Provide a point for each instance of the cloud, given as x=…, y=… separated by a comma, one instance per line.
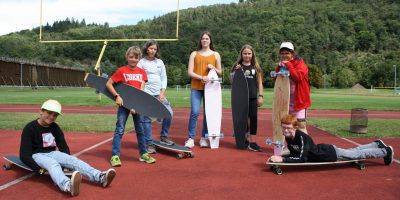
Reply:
x=25, y=14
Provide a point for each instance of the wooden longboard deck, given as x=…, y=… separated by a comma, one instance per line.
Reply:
x=276, y=167
x=280, y=107
x=133, y=98
x=15, y=160
x=182, y=151
x=213, y=108
x=240, y=107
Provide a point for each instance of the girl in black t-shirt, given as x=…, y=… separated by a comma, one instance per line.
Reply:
x=248, y=62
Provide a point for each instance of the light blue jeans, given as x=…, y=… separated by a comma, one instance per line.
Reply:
x=166, y=123
x=55, y=160
x=122, y=116
x=365, y=151
x=196, y=97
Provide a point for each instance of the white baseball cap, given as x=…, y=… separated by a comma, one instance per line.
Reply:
x=52, y=105
x=287, y=45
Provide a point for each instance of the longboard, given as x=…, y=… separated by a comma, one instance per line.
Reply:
x=133, y=98
x=15, y=161
x=280, y=106
x=276, y=167
x=181, y=151
x=213, y=108
x=240, y=107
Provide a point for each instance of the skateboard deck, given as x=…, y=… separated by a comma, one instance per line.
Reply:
x=15, y=161
x=136, y=99
x=213, y=108
x=276, y=167
x=181, y=151
x=280, y=106
x=240, y=107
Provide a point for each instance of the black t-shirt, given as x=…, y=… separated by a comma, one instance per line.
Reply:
x=250, y=73
x=303, y=149
x=39, y=139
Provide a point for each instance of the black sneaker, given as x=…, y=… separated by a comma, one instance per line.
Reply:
x=151, y=149
x=380, y=144
x=166, y=141
x=254, y=147
x=389, y=155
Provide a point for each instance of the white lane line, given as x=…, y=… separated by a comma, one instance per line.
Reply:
x=16, y=181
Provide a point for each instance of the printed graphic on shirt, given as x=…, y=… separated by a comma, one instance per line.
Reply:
x=48, y=140
x=249, y=73
x=295, y=147
x=133, y=77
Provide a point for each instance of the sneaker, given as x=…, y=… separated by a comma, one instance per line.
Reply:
x=389, y=155
x=380, y=144
x=151, y=149
x=203, y=142
x=115, y=161
x=189, y=143
x=147, y=158
x=76, y=179
x=166, y=141
x=254, y=147
x=107, y=177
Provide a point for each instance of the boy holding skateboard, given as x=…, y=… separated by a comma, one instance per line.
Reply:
x=155, y=86
x=300, y=99
x=248, y=62
x=39, y=141
x=136, y=77
x=302, y=148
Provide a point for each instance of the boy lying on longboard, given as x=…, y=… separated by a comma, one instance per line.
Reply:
x=302, y=148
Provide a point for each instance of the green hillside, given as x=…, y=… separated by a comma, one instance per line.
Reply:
x=349, y=41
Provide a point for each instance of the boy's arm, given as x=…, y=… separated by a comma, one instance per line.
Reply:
x=60, y=141
x=110, y=87
x=302, y=156
x=26, y=151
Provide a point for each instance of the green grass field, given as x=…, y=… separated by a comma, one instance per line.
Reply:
x=336, y=99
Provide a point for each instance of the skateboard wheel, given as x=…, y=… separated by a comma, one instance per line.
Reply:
x=191, y=155
x=361, y=166
x=6, y=167
x=179, y=156
x=277, y=170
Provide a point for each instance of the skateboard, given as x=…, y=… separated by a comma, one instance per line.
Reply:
x=213, y=108
x=276, y=167
x=181, y=151
x=280, y=105
x=136, y=99
x=240, y=107
x=15, y=161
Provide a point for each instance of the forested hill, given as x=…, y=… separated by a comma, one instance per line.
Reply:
x=343, y=41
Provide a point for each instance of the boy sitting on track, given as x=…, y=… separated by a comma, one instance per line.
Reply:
x=39, y=141
x=303, y=149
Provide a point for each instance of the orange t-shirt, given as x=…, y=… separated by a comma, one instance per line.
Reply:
x=200, y=68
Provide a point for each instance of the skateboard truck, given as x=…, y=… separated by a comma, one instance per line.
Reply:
x=282, y=72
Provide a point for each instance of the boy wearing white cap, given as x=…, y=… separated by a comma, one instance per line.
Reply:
x=39, y=141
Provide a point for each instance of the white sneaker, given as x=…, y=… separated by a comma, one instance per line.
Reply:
x=76, y=179
x=189, y=143
x=203, y=142
x=107, y=177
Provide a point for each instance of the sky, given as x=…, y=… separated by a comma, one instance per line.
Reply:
x=19, y=15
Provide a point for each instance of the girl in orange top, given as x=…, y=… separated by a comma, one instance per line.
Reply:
x=201, y=61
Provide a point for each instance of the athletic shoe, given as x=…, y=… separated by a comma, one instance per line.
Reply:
x=380, y=144
x=107, y=177
x=151, y=149
x=76, y=180
x=189, y=143
x=147, y=158
x=389, y=155
x=203, y=142
x=254, y=147
x=115, y=161
x=165, y=140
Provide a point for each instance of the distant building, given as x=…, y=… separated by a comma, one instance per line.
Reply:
x=19, y=72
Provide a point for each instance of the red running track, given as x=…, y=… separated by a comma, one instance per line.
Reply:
x=225, y=173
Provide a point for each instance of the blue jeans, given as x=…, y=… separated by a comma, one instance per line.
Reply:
x=53, y=161
x=196, y=96
x=122, y=116
x=365, y=151
x=166, y=123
